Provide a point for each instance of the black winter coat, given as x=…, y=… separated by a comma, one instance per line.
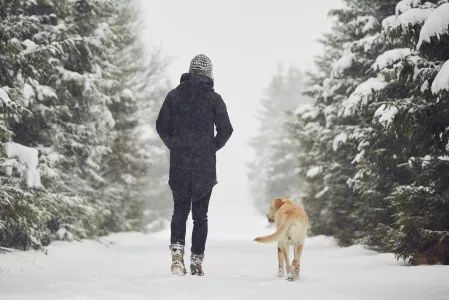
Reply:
x=186, y=126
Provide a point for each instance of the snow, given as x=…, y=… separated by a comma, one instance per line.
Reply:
x=61, y=27
x=303, y=107
x=289, y=156
x=321, y=193
x=314, y=171
x=365, y=24
x=362, y=145
x=30, y=2
x=45, y=92
x=134, y=266
x=102, y=30
x=28, y=92
x=67, y=75
x=429, y=4
x=4, y=97
x=28, y=156
x=359, y=96
x=445, y=158
x=62, y=234
x=388, y=58
x=95, y=176
x=425, y=86
x=306, y=111
x=406, y=5
x=358, y=158
x=311, y=114
x=30, y=47
x=389, y=21
x=426, y=160
x=344, y=63
x=128, y=94
x=109, y=118
x=341, y=138
x=367, y=42
x=386, y=114
x=371, y=23
x=413, y=17
x=436, y=25
x=441, y=81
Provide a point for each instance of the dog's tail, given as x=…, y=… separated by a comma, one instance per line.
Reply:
x=275, y=236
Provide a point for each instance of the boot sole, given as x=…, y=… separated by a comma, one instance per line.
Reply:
x=195, y=272
x=178, y=271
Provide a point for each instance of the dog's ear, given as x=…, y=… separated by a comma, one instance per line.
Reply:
x=278, y=202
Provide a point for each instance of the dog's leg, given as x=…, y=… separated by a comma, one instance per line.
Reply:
x=285, y=252
x=293, y=273
x=281, y=262
x=298, y=252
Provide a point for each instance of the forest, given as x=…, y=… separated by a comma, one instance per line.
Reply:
x=79, y=96
x=368, y=157
x=362, y=142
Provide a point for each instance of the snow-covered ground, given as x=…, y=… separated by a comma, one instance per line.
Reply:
x=132, y=266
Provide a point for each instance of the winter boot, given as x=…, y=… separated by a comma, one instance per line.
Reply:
x=196, y=261
x=177, y=257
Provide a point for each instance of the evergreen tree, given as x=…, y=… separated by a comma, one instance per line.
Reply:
x=70, y=97
x=328, y=131
x=413, y=110
x=380, y=106
x=22, y=218
x=273, y=173
x=70, y=122
x=129, y=183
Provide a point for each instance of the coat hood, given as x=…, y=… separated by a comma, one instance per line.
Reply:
x=195, y=84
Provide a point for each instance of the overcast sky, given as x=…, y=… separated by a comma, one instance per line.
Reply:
x=245, y=41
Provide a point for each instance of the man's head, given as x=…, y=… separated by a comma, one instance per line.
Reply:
x=201, y=65
x=274, y=208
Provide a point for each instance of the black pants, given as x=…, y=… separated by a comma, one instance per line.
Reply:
x=182, y=204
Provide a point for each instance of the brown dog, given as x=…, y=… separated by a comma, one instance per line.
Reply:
x=291, y=230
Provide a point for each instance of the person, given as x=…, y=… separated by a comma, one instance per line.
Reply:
x=186, y=123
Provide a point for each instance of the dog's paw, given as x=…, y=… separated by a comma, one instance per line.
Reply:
x=292, y=277
x=281, y=273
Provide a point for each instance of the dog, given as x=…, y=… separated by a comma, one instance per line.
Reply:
x=291, y=230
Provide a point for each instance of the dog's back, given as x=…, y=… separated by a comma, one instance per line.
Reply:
x=291, y=223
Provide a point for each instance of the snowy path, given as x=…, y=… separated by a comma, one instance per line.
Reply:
x=137, y=267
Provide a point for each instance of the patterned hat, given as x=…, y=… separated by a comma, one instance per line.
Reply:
x=201, y=65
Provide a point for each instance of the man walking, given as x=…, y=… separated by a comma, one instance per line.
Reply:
x=186, y=126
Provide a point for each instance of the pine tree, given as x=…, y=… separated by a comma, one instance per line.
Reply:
x=330, y=132
x=22, y=219
x=394, y=134
x=126, y=168
x=70, y=122
x=67, y=95
x=413, y=110
x=386, y=119
x=273, y=174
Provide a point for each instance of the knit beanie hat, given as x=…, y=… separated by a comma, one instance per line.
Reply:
x=201, y=65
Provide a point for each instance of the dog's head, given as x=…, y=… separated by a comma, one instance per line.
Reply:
x=274, y=208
